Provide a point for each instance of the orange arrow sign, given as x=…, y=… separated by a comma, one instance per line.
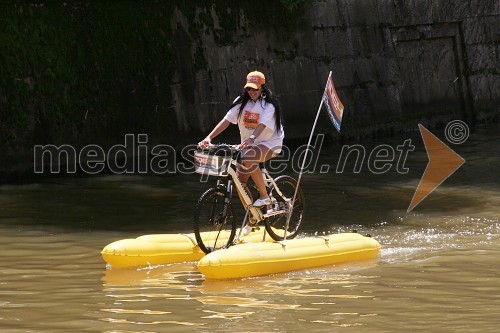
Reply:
x=443, y=162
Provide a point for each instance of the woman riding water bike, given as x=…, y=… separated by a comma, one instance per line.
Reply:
x=258, y=116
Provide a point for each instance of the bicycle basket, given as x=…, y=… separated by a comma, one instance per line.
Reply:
x=210, y=164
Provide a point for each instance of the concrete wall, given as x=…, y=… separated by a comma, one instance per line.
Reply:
x=393, y=62
x=91, y=72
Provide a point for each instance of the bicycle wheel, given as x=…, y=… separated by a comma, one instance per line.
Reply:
x=276, y=225
x=214, y=223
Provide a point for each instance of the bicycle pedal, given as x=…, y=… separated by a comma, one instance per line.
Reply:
x=274, y=212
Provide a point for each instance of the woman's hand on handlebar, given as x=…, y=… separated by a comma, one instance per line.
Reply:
x=247, y=143
x=205, y=143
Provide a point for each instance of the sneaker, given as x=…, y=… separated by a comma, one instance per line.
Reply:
x=246, y=230
x=262, y=202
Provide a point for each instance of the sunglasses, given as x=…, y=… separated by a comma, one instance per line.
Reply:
x=251, y=89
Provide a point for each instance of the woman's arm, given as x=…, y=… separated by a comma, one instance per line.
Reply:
x=218, y=129
x=221, y=127
x=257, y=131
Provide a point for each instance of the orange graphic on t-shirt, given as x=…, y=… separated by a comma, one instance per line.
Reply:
x=250, y=119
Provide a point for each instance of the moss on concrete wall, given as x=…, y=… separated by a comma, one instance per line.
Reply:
x=92, y=71
x=73, y=71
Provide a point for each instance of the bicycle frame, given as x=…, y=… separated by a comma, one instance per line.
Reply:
x=276, y=216
x=255, y=213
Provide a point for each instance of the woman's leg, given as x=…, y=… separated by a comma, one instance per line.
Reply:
x=250, y=160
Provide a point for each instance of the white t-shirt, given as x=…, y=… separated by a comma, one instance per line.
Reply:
x=253, y=114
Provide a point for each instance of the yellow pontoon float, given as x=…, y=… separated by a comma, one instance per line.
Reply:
x=253, y=259
x=159, y=249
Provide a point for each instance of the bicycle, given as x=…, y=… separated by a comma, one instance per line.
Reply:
x=214, y=211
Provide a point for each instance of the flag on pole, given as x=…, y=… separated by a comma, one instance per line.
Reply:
x=335, y=110
x=334, y=106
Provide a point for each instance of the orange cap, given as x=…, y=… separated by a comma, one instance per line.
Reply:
x=255, y=80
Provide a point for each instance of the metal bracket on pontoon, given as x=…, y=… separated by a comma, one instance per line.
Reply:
x=326, y=239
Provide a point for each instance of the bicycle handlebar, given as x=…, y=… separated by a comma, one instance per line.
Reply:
x=221, y=147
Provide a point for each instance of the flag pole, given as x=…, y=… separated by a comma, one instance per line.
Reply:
x=304, y=161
